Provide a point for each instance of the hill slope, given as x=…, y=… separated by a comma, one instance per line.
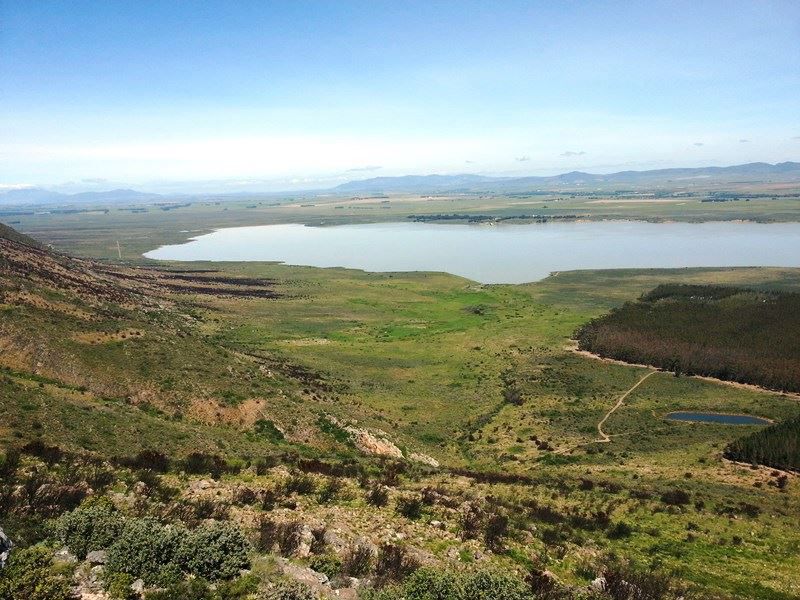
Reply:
x=787, y=171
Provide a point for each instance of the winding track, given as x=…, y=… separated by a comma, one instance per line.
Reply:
x=604, y=437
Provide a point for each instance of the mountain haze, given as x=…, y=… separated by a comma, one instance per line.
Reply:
x=759, y=171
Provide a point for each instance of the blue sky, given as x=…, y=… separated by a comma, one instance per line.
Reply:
x=306, y=94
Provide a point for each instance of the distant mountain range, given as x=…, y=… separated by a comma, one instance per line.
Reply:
x=751, y=172
x=758, y=172
x=42, y=196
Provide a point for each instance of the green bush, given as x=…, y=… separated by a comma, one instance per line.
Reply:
x=92, y=526
x=487, y=585
x=214, y=552
x=118, y=586
x=410, y=507
x=238, y=589
x=148, y=550
x=289, y=590
x=432, y=584
x=390, y=592
x=31, y=575
x=329, y=564
x=358, y=561
x=193, y=589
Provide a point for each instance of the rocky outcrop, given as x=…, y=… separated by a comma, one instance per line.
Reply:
x=5, y=548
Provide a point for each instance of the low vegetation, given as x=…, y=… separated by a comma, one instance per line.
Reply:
x=380, y=435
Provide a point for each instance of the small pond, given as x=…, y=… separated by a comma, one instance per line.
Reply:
x=701, y=417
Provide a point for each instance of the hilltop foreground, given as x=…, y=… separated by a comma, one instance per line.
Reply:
x=257, y=430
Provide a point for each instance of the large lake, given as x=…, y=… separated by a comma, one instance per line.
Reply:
x=501, y=253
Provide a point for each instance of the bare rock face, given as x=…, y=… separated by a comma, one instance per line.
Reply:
x=5, y=548
x=424, y=459
x=375, y=443
x=96, y=557
x=64, y=556
x=88, y=583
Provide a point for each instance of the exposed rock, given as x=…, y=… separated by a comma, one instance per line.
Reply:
x=369, y=443
x=138, y=586
x=97, y=557
x=424, y=459
x=64, y=556
x=88, y=583
x=316, y=581
x=598, y=584
x=5, y=548
x=306, y=539
x=201, y=484
x=335, y=542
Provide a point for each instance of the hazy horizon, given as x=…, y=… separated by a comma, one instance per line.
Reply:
x=306, y=96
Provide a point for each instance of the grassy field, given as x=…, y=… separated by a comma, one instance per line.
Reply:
x=96, y=231
x=480, y=378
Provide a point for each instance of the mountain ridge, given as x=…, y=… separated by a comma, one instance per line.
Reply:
x=466, y=182
x=787, y=171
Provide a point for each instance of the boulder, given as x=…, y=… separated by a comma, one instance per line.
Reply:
x=97, y=557
x=64, y=556
x=5, y=548
x=598, y=584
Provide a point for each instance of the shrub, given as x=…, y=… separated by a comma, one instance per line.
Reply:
x=266, y=534
x=433, y=584
x=145, y=549
x=675, y=498
x=626, y=583
x=30, y=575
x=288, y=590
x=193, y=589
x=471, y=521
x=329, y=564
x=93, y=526
x=488, y=585
x=213, y=552
x=394, y=563
x=244, y=496
x=269, y=497
x=152, y=460
x=377, y=496
x=198, y=463
x=289, y=535
x=301, y=484
x=391, y=473
x=9, y=464
x=331, y=490
x=318, y=541
x=410, y=507
x=118, y=586
x=238, y=589
x=495, y=532
x=620, y=530
x=49, y=454
x=358, y=561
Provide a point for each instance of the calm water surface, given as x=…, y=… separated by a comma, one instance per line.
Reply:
x=501, y=253
x=717, y=418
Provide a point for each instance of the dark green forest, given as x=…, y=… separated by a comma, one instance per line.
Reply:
x=735, y=334
x=776, y=446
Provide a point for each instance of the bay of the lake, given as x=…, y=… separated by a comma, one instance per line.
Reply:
x=501, y=253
